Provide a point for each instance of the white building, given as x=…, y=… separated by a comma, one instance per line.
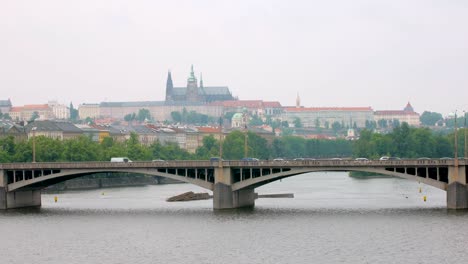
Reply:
x=60, y=111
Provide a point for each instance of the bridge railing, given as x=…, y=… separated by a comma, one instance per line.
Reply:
x=231, y=163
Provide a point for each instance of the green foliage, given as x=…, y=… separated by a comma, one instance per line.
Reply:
x=234, y=146
x=143, y=114
x=130, y=117
x=403, y=141
x=34, y=116
x=428, y=118
x=192, y=117
x=210, y=148
x=297, y=122
x=81, y=149
x=336, y=127
x=255, y=121
x=406, y=142
x=73, y=113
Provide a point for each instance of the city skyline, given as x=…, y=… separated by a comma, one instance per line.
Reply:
x=346, y=54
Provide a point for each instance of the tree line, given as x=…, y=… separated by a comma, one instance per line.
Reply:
x=404, y=141
x=408, y=142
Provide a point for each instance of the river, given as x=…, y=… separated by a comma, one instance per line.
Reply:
x=332, y=219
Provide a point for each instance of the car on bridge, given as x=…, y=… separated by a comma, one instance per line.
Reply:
x=120, y=159
x=249, y=159
x=361, y=159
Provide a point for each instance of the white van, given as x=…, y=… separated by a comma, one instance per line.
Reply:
x=120, y=159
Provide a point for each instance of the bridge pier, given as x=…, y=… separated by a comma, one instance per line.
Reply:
x=17, y=199
x=223, y=195
x=457, y=189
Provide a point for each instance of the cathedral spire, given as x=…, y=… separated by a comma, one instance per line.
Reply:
x=298, y=101
x=169, y=87
x=192, y=77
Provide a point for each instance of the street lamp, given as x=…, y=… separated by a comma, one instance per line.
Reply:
x=220, y=141
x=464, y=131
x=34, y=144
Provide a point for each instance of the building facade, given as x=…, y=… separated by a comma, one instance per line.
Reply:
x=89, y=110
x=60, y=111
x=407, y=115
x=27, y=112
x=323, y=116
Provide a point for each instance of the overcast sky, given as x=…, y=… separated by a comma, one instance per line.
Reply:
x=332, y=53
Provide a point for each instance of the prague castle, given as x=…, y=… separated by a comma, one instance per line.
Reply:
x=195, y=92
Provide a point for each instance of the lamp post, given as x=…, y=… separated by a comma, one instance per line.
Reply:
x=455, y=155
x=246, y=148
x=220, y=141
x=464, y=131
x=34, y=144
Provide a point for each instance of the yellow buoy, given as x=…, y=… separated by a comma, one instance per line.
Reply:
x=55, y=198
x=424, y=197
x=102, y=193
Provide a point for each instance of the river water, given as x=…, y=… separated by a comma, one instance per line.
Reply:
x=332, y=219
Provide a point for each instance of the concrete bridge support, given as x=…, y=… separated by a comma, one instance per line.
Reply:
x=457, y=188
x=17, y=199
x=224, y=197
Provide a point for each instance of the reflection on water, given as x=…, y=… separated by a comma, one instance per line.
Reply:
x=333, y=218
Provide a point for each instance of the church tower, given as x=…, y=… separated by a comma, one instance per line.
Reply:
x=192, y=88
x=169, y=87
x=298, y=101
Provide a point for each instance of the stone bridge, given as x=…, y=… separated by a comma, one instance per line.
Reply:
x=232, y=182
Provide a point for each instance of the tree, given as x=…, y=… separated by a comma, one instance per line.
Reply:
x=428, y=118
x=176, y=116
x=210, y=148
x=73, y=113
x=256, y=121
x=233, y=145
x=297, y=122
x=317, y=123
x=7, y=116
x=130, y=117
x=34, y=116
x=382, y=123
x=336, y=126
x=135, y=150
x=80, y=149
x=402, y=141
x=89, y=120
x=143, y=114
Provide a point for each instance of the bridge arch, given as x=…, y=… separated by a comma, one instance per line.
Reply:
x=64, y=175
x=260, y=181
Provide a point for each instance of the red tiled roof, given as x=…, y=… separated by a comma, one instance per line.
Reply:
x=36, y=106
x=394, y=112
x=16, y=109
x=317, y=109
x=240, y=103
x=29, y=107
x=208, y=129
x=272, y=104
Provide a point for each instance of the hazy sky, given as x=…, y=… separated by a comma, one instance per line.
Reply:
x=333, y=53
